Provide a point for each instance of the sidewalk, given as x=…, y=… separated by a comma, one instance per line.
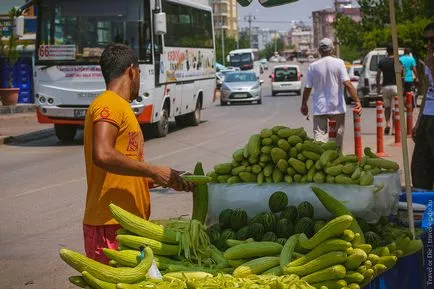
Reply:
x=20, y=122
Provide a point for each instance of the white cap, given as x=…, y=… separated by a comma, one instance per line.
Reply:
x=326, y=44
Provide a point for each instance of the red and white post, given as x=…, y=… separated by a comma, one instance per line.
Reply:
x=397, y=122
x=332, y=130
x=380, y=133
x=357, y=135
x=409, y=100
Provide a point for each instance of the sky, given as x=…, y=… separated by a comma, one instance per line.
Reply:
x=300, y=11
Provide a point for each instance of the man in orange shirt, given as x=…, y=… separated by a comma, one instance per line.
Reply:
x=113, y=150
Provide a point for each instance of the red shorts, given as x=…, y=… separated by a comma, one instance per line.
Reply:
x=98, y=237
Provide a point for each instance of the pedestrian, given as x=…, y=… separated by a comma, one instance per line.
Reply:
x=388, y=88
x=328, y=77
x=422, y=163
x=113, y=151
x=410, y=73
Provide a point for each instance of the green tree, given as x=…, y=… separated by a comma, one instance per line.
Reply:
x=271, y=47
x=230, y=43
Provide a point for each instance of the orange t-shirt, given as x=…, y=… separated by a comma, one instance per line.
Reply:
x=129, y=192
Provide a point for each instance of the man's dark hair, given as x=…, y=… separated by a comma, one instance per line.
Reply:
x=389, y=49
x=429, y=27
x=407, y=51
x=115, y=59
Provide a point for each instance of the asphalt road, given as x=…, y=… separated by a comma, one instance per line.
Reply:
x=43, y=187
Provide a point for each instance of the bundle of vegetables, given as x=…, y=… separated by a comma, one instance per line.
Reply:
x=282, y=154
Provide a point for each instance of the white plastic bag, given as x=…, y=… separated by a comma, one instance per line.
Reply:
x=362, y=201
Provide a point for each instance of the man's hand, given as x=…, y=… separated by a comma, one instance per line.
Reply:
x=170, y=178
x=358, y=107
x=304, y=109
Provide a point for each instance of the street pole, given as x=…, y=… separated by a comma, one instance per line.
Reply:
x=336, y=38
x=249, y=19
x=275, y=43
x=402, y=116
x=223, y=45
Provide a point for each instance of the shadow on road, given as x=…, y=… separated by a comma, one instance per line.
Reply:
x=47, y=138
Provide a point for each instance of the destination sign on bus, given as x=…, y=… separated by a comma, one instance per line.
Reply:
x=57, y=52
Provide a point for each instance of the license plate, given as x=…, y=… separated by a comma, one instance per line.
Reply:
x=79, y=113
x=285, y=85
x=240, y=95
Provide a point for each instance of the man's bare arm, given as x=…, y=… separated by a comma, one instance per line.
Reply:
x=108, y=158
x=306, y=94
x=105, y=156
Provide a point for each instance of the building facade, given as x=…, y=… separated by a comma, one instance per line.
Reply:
x=323, y=19
x=225, y=17
x=300, y=37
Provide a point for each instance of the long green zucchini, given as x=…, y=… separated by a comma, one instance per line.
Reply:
x=107, y=273
x=200, y=196
x=336, y=208
x=143, y=227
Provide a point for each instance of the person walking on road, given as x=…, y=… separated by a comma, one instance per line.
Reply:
x=410, y=73
x=422, y=163
x=388, y=88
x=328, y=78
x=113, y=151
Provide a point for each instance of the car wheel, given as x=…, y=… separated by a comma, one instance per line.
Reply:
x=223, y=103
x=259, y=101
x=299, y=92
x=161, y=128
x=193, y=118
x=65, y=132
x=273, y=93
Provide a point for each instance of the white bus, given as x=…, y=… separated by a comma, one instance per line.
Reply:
x=174, y=41
x=245, y=59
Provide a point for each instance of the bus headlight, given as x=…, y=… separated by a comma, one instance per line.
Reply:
x=50, y=100
x=42, y=99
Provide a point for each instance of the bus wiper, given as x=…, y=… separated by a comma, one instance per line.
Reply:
x=46, y=67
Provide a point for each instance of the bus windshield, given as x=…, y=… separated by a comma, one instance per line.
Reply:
x=69, y=32
x=243, y=61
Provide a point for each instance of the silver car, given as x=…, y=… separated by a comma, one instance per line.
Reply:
x=241, y=86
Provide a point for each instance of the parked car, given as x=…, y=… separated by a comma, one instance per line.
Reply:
x=286, y=78
x=274, y=59
x=264, y=64
x=367, y=87
x=220, y=76
x=241, y=86
x=282, y=59
x=354, y=73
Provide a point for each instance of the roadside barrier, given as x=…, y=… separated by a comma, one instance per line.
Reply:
x=332, y=130
x=357, y=135
x=397, y=122
x=409, y=99
x=380, y=133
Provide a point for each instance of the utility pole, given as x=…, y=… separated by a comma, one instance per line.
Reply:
x=223, y=45
x=250, y=18
x=336, y=38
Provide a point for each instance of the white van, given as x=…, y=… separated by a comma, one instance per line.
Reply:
x=367, y=87
x=286, y=78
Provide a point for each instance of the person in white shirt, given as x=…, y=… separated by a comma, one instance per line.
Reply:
x=422, y=163
x=328, y=77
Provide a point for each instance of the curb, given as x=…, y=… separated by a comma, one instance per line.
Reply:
x=4, y=140
x=20, y=108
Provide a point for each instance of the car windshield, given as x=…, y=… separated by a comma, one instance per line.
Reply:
x=238, y=60
x=285, y=74
x=375, y=59
x=357, y=70
x=240, y=77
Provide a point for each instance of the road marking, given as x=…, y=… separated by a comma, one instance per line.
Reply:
x=42, y=188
